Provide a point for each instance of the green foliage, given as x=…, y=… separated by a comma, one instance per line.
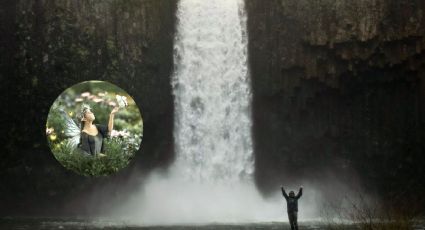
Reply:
x=119, y=148
x=119, y=151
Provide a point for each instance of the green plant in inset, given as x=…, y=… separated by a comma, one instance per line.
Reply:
x=119, y=151
x=119, y=147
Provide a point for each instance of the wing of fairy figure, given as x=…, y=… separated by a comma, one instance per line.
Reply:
x=72, y=131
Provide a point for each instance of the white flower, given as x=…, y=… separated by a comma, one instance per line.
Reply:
x=49, y=130
x=100, y=94
x=85, y=94
x=124, y=133
x=115, y=133
x=97, y=100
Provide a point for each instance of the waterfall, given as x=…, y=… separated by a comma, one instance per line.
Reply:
x=211, y=179
x=212, y=92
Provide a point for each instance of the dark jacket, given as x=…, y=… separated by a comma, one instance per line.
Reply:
x=292, y=202
x=89, y=143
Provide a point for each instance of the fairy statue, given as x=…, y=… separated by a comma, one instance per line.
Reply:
x=88, y=136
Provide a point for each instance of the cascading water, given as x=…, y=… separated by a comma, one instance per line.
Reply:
x=211, y=179
x=212, y=92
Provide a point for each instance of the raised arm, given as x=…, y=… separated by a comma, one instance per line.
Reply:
x=111, y=119
x=284, y=193
x=300, y=193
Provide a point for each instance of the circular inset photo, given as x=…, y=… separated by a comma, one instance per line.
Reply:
x=94, y=128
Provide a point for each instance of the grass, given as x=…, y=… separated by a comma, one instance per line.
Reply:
x=367, y=214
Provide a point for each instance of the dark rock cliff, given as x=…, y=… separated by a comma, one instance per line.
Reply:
x=47, y=46
x=339, y=93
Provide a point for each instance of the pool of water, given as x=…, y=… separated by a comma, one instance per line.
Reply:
x=106, y=224
x=67, y=223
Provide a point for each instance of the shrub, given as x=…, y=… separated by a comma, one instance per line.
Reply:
x=366, y=214
x=118, y=150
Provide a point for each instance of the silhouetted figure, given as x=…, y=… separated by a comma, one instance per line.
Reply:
x=292, y=206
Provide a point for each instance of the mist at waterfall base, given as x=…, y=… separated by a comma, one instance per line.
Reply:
x=168, y=200
x=211, y=179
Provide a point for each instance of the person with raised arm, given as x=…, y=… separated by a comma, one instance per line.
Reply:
x=292, y=206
